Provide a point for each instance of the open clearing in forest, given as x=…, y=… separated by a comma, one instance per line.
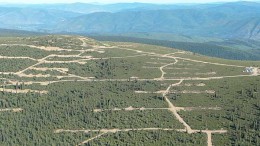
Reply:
x=168, y=68
x=11, y=109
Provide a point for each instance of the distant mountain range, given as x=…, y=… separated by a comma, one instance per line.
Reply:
x=239, y=20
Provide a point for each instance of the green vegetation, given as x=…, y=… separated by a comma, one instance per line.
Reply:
x=110, y=52
x=65, y=42
x=239, y=102
x=153, y=138
x=47, y=72
x=201, y=48
x=20, y=79
x=21, y=51
x=195, y=69
x=224, y=61
x=55, y=58
x=125, y=88
x=14, y=65
x=122, y=68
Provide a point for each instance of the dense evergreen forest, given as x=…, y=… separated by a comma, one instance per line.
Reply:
x=71, y=90
x=207, y=49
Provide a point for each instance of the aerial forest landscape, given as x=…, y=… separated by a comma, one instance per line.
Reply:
x=130, y=73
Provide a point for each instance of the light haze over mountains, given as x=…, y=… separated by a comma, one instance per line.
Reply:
x=228, y=20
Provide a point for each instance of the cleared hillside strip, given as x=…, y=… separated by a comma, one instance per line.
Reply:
x=11, y=110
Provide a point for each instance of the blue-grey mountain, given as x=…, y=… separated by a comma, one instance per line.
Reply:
x=229, y=20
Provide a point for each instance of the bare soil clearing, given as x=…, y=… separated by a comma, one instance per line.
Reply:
x=23, y=91
x=11, y=110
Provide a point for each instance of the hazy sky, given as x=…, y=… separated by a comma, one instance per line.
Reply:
x=116, y=1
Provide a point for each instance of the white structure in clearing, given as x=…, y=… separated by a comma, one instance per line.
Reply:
x=249, y=70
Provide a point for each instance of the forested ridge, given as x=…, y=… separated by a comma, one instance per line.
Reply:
x=72, y=90
x=207, y=49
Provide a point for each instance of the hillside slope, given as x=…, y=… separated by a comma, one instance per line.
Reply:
x=73, y=90
x=229, y=49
